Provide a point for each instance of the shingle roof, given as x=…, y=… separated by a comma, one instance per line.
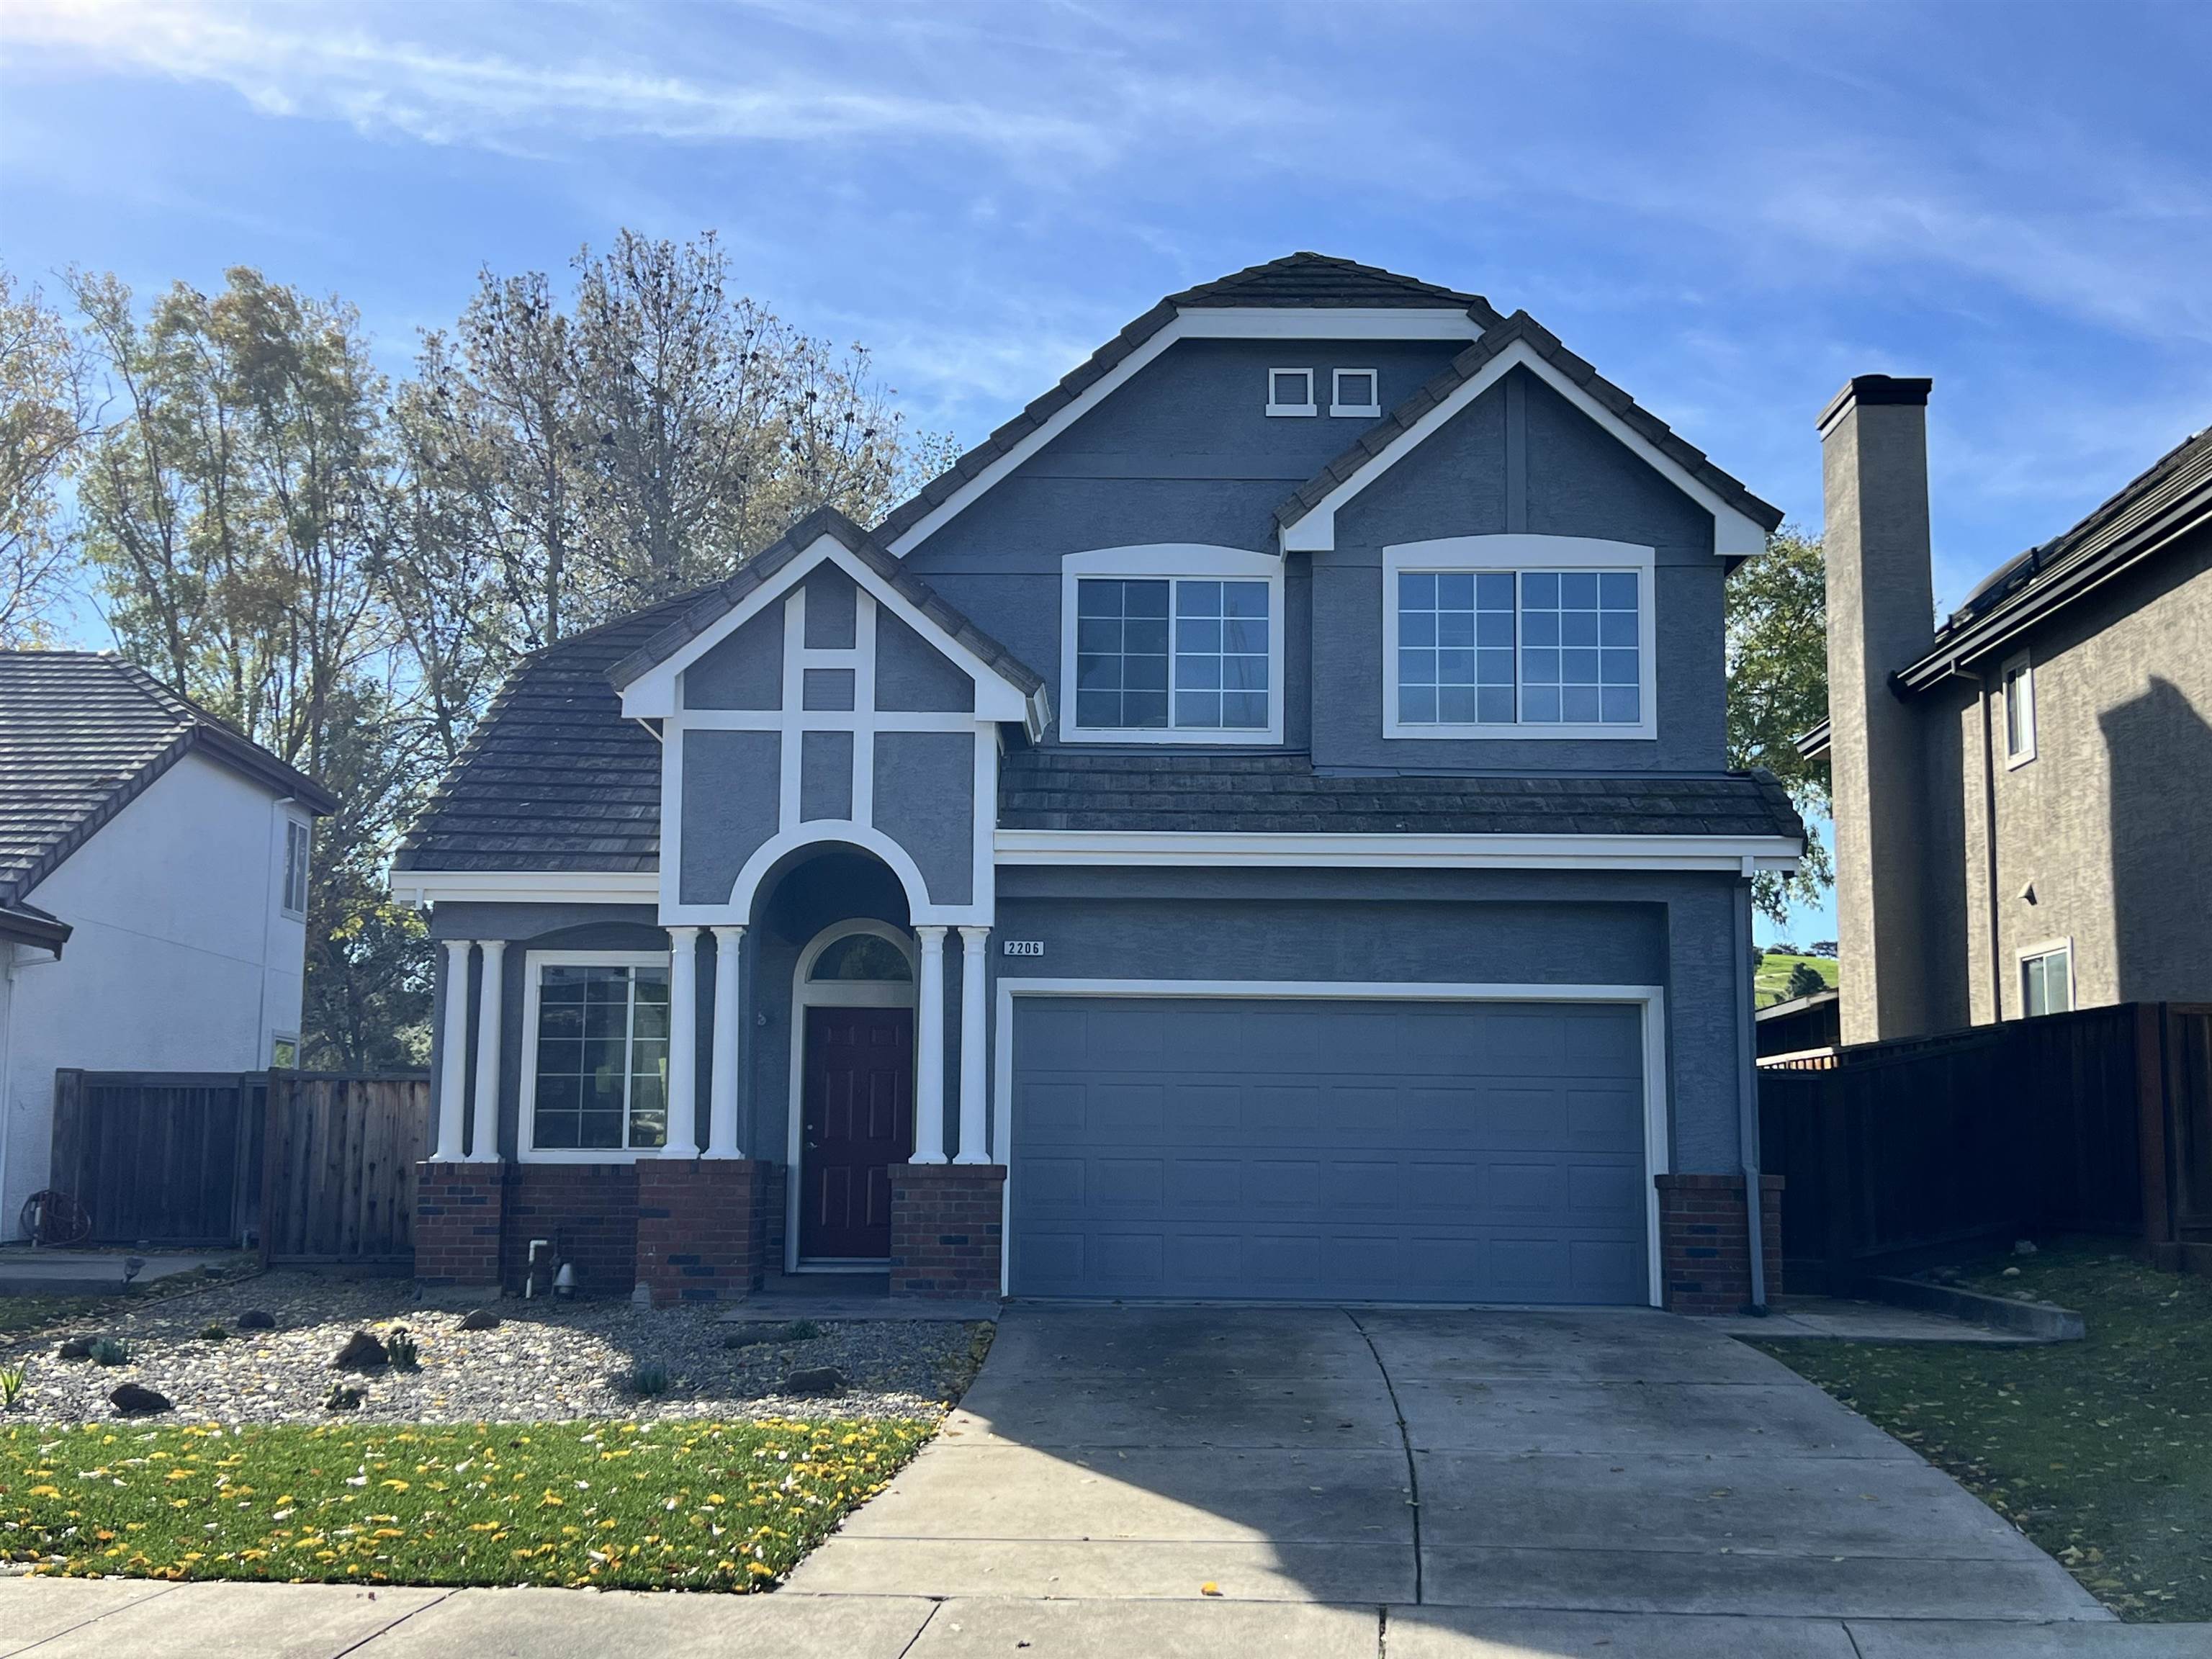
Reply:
x=1282, y=794
x=700, y=611
x=82, y=734
x=1524, y=328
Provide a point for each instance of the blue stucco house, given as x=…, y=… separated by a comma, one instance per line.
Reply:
x=1258, y=827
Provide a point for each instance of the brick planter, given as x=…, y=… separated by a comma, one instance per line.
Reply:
x=946, y=1224
x=700, y=1227
x=458, y=1211
x=1705, y=1247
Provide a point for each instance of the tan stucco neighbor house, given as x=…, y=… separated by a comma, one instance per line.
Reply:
x=2021, y=792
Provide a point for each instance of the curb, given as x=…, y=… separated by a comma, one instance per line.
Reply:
x=2046, y=1320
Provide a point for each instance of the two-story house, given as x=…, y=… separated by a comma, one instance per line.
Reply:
x=1256, y=827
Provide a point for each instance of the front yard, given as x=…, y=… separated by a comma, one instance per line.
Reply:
x=2099, y=1450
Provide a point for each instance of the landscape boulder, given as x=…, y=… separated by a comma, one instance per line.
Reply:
x=814, y=1380
x=481, y=1319
x=133, y=1400
x=257, y=1319
x=363, y=1353
x=77, y=1347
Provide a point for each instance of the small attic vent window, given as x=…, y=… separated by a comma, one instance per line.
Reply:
x=1290, y=391
x=1356, y=392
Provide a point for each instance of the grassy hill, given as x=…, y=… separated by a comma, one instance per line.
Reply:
x=1774, y=975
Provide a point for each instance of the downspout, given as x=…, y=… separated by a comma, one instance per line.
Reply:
x=1747, y=1095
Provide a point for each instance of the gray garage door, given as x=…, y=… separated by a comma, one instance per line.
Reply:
x=1295, y=1150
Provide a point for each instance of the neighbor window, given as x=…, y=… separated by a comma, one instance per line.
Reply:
x=601, y=1067
x=1519, y=648
x=1355, y=391
x=2046, y=981
x=2019, y=683
x=1290, y=391
x=283, y=1051
x=296, y=867
x=1180, y=654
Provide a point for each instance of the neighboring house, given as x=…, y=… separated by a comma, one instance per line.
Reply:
x=2020, y=793
x=1257, y=827
x=1800, y=1025
x=152, y=891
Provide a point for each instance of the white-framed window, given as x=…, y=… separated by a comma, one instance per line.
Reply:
x=1356, y=392
x=296, y=845
x=594, y=1055
x=1518, y=636
x=1175, y=643
x=2017, y=678
x=2046, y=978
x=1290, y=391
x=284, y=1051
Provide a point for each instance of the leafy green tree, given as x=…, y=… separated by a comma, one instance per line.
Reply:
x=1805, y=981
x=1777, y=668
x=45, y=416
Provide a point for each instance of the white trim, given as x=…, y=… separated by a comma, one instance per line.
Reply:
x=453, y=1055
x=1183, y=848
x=790, y=726
x=2027, y=953
x=525, y=1121
x=423, y=887
x=1169, y=561
x=1511, y=554
x=1368, y=410
x=1733, y=534
x=1651, y=998
x=292, y=822
x=1303, y=406
x=1200, y=323
x=491, y=1004
x=864, y=697
x=727, y=1045
x=2020, y=660
x=829, y=994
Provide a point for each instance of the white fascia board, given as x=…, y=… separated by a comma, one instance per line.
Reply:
x=1734, y=535
x=651, y=695
x=1200, y=323
x=1738, y=854
x=423, y=887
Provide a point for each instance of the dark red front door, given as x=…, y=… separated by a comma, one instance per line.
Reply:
x=857, y=1118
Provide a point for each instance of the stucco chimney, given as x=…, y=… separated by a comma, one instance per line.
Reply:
x=1881, y=606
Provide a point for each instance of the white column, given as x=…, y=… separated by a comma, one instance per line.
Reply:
x=453, y=1069
x=683, y=1043
x=483, y=1138
x=929, y=1050
x=722, y=1086
x=973, y=972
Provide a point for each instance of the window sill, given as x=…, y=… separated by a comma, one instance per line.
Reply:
x=1243, y=737
x=1646, y=733
x=587, y=1155
x=1281, y=410
x=1359, y=411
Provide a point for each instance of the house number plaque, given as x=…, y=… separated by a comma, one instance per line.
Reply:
x=1024, y=947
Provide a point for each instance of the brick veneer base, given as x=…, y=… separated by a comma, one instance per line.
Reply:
x=946, y=1222
x=700, y=1227
x=590, y=1212
x=1705, y=1245
x=458, y=1209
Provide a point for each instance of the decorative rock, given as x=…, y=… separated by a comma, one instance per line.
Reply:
x=344, y=1397
x=133, y=1400
x=363, y=1353
x=2023, y=1246
x=483, y=1319
x=814, y=1380
x=256, y=1319
x=77, y=1347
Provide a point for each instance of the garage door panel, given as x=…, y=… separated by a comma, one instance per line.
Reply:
x=1446, y=1151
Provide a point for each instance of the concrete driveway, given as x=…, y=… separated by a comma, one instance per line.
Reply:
x=1622, y=1461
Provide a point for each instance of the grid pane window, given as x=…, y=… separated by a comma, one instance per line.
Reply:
x=1205, y=669
x=1545, y=648
x=602, y=1058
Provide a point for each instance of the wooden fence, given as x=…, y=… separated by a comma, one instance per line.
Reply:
x=316, y=1167
x=1896, y=1153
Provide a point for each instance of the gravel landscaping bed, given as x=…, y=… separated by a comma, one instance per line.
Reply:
x=545, y=1362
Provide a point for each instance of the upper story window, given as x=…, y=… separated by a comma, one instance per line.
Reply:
x=1518, y=636
x=1356, y=392
x=1172, y=644
x=2046, y=979
x=1290, y=391
x=596, y=1033
x=2020, y=711
x=296, y=867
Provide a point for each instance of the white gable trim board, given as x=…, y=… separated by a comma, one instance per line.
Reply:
x=1649, y=999
x=1735, y=535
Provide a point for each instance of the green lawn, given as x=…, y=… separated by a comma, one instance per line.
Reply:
x=1774, y=975
x=690, y=1505
x=2099, y=1450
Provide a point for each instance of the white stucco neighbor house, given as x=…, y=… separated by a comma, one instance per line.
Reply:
x=152, y=891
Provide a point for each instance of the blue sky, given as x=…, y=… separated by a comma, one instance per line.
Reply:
x=1728, y=209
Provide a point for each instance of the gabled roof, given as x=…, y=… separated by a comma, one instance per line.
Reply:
x=700, y=611
x=1398, y=427
x=83, y=734
x=2168, y=500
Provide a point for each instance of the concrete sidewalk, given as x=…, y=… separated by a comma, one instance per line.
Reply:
x=134, y=1618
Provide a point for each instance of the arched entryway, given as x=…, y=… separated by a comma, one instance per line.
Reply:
x=852, y=1092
